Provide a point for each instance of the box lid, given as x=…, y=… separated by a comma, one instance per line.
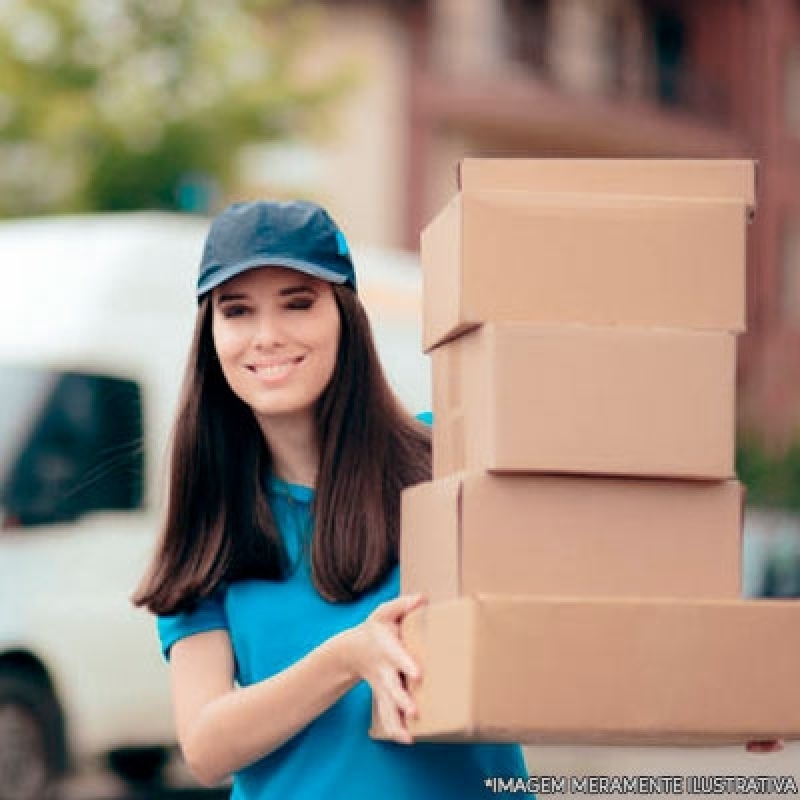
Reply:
x=733, y=179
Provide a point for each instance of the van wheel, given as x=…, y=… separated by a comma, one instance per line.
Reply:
x=140, y=766
x=31, y=737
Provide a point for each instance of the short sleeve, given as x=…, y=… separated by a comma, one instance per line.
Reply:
x=426, y=417
x=208, y=615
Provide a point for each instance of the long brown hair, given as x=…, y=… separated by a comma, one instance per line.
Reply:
x=218, y=526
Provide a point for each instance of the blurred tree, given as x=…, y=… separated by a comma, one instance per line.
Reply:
x=772, y=478
x=126, y=104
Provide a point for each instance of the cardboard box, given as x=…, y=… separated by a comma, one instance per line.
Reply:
x=578, y=399
x=569, y=670
x=601, y=260
x=554, y=535
x=666, y=177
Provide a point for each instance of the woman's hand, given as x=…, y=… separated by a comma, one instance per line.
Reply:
x=768, y=746
x=374, y=652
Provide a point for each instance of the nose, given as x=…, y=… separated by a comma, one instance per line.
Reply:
x=268, y=333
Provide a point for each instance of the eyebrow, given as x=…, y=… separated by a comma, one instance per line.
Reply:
x=227, y=298
x=288, y=291
x=303, y=289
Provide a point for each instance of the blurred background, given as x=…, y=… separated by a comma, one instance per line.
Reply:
x=125, y=123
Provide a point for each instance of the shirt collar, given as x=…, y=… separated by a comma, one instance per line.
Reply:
x=295, y=491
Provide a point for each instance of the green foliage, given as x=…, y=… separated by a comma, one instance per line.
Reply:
x=772, y=478
x=118, y=104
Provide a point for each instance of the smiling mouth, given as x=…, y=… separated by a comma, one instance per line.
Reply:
x=276, y=369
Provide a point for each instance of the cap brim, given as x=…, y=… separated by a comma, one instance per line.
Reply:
x=219, y=277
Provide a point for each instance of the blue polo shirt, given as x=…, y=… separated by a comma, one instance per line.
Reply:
x=273, y=624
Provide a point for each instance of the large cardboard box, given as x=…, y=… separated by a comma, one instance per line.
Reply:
x=665, y=177
x=602, y=260
x=572, y=670
x=580, y=399
x=545, y=535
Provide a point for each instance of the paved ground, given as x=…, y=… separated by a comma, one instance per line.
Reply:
x=544, y=762
x=645, y=761
x=99, y=785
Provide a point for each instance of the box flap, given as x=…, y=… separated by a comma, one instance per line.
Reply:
x=541, y=535
x=441, y=638
x=596, y=400
x=567, y=669
x=440, y=257
x=710, y=178
x=613, y=401
x=430, y=546
x=599, y=260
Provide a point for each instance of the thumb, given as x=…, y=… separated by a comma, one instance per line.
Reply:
x=395, y=610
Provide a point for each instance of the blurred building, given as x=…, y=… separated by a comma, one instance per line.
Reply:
x=587, y=78
x=612, y=78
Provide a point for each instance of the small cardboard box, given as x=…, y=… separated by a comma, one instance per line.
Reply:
x=579, y=399
x=572, y=670
x=538, y=535
x=600, y=260
x=665, y=177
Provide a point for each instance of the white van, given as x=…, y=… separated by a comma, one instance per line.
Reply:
x=94, y=332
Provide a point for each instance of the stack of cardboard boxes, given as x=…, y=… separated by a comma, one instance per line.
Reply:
x=580, y=543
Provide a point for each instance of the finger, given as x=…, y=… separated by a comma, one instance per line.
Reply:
x=391, y=719
x=395, y=610
x=414, y=601
x=397, y=692
x=405, y=737
x=385, y=715
x=399, y=657
x=764, y=746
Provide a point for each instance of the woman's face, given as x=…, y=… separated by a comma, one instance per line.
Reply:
x=276, y=332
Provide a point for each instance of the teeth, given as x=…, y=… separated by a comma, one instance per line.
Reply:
x=271, y=371
x=274, y=370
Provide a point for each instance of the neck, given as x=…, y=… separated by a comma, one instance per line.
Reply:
x=292, y=442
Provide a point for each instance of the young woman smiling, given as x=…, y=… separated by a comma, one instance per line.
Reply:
x=275, y=581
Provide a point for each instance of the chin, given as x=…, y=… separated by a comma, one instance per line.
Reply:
x=282, y=409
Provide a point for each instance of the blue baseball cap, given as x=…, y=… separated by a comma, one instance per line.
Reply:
x=298, y=235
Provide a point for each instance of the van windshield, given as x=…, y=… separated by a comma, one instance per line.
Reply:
x=70, y=443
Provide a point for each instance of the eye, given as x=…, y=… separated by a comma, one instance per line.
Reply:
x=300, y=304
x=234, y=310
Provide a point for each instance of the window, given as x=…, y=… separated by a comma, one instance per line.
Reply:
x=527, y=31
x=771, y=554
x=625, y=48
x=70, y=443
x=790, y=277
x=670, y=51
x=791, y=90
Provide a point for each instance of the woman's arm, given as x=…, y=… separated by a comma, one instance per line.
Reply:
x=222, y=729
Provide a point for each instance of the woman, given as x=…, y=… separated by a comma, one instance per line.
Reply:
x=277, y=566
